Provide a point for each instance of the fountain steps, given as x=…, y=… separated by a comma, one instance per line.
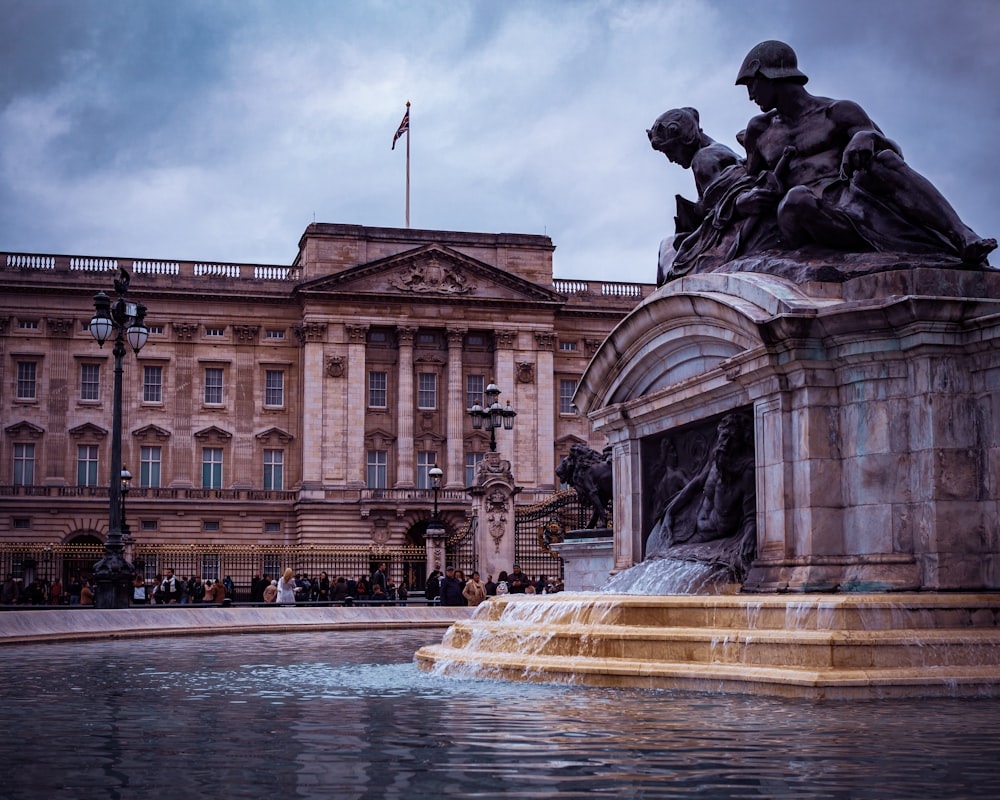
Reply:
x=815, y=646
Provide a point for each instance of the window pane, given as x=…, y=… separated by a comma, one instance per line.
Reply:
x=426, y=390
x=475, y=385
x=211, y=467
x=213, y=385
x=90, y=381
x=24, y=464
x=377, y=389
x=86, y=465
x=26, y=380
x=274, y=387
x=152, y=384
x=425, y=460
x=149, y=467
x=274, y=469
x=566, y=391
x=377, y=477
x=471, y=461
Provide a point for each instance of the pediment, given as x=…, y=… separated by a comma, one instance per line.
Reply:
x=213, y=433
x=431, y=271
x=88, y=430
x=151, y=432
x=24, y=430
x=275, y=434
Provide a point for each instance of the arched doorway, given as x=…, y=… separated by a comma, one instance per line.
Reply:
x=84, y=549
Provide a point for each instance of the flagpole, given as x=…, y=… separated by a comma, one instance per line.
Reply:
x=408, y=166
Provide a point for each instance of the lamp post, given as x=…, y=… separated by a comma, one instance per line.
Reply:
x=435, y=534
x=492, y=415
x=125, y=484
x=113, y=574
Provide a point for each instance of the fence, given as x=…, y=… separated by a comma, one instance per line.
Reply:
x=240, y=563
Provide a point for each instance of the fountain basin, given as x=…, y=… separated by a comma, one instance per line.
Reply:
x=816, y=646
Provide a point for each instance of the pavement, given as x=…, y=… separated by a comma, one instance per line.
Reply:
x=60, y=624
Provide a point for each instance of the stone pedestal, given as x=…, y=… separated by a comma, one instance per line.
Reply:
x=493, y=507
x=876, y=418
x=588, y=559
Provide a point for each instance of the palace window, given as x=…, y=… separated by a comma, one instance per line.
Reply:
x=471, y=462
x=475, y=385
x=90, y=381
x=377, y=477
x=567, y=388
x=26, y=383
x=152, y=384
x=426, y=390
x=149, y=466
x=274, y=388
x=24, y=464
x=211, y=467
x=86, y=465
x=425, y=460
x=274, y=468
x=377, y=389
x=213, y=386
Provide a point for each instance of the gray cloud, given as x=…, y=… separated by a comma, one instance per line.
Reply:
x=216, y=131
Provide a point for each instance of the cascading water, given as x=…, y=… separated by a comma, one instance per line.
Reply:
x=670, y=576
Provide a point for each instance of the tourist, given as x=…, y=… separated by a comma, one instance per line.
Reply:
x=364, y=590
x=451, y=589
x=138, y=591
x=286, y=587
x=517, y=581
x=86, y=593
x=338, y=593
x=270, y=594
x=196, y=589
x=257, y=587
x=379, y=577
x=170, y=588
x=209, y=595
x=75, y=585
x=491, y=586
x=433, y=588
x=11, y=592
x=378, y=595
x=230, y=586
x=402, y=594
x=323, y=593
x=56, y=592
x=475, y=590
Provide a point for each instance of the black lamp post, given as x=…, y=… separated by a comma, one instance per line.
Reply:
x=435, y=473
x=126, y=483
x=492, y=414
x=113, y=574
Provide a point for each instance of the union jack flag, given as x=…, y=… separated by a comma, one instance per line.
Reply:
x=404, y=127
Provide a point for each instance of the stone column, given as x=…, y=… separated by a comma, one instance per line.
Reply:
x=406, y=405
x=493, y=505
x=312, y=336
x=245, y=402
x=504, y=377
x=454, y=469
x=182, y=455
x=357, y=376
x=627, y=502
x=545, y=412
x=61, y=388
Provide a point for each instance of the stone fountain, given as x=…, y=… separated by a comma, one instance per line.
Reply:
x=808, y=408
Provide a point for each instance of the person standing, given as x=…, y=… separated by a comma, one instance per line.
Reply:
x=11, y=592
x=451, y=589
x=379, y=578
x=270, y=594
x=491, y=586
x=86, y=593
x=138, y=591
x=517, y=581
x=286, y=587
x=170, y=588
x=475, y=590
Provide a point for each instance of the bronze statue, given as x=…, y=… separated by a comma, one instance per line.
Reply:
x=830, y=175
x=589, y=472
x=710, y=230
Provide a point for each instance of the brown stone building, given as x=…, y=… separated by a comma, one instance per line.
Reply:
x=296, y=405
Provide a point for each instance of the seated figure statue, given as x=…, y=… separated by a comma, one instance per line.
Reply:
x=709, y=231
x=832, y=178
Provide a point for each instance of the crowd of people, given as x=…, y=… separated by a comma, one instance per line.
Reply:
x=448, y=588
x=452, y=588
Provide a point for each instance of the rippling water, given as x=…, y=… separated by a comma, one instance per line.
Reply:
x=347, y=715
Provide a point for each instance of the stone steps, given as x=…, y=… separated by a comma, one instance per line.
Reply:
x=829, y=646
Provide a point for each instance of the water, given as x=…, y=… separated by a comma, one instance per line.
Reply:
x=348, y=715
x=669, y=576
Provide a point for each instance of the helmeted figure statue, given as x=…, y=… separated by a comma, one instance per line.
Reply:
x=819, y=175
x=832, y=177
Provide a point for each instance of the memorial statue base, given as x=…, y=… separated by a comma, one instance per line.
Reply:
x=588, y=558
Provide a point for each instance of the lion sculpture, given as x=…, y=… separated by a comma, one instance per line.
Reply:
x=589, y=472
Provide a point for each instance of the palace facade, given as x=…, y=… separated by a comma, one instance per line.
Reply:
x=293, y=405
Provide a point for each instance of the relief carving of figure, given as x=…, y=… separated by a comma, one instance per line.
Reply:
x=720, y=502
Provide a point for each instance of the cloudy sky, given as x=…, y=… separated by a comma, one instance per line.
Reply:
x=216, y=130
